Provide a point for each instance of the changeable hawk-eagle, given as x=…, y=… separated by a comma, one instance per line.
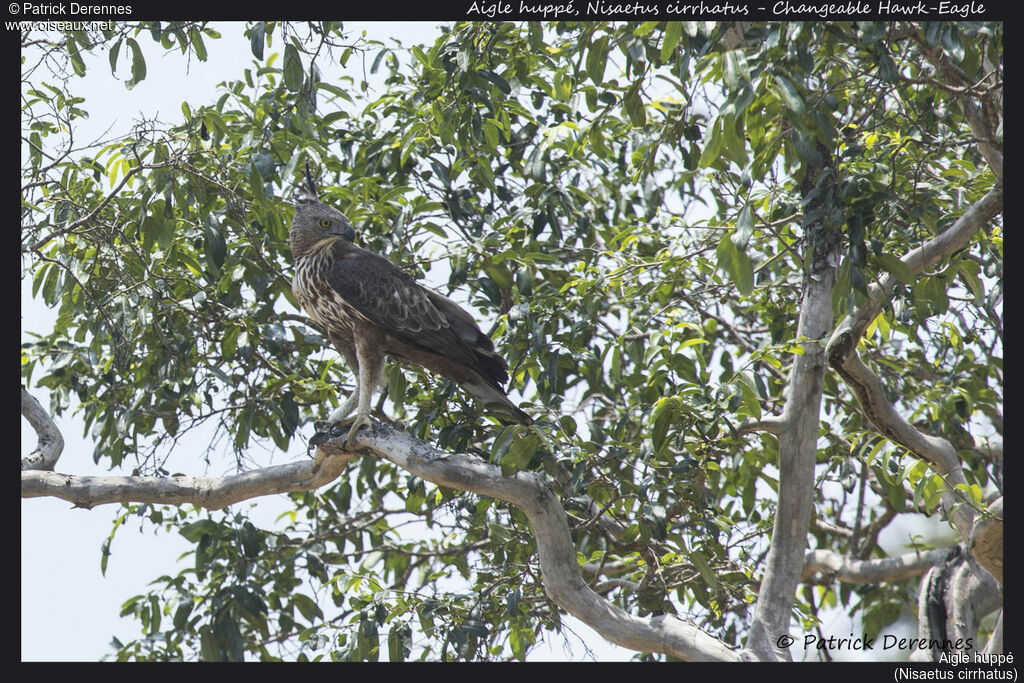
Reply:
x=369, y=307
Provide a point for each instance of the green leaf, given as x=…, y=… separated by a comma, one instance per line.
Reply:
x=115, y=50
x=194, y=531
x=196, y=39
x=663, y=415
x=601, y=491
x=519, y=638
x=229, y=341
x=397, y=384
x=497, y=80
x=713, y=140
x=367, y=643
x=857, y=279
x=519, y=454
x=209, y=648
x=159, y=230
x=250, y=539
x=50, y=293
x=293, y=72
x=104, y=556
x=491, y=133
x=138, y=64
x=225, y=628
x=701, y=563
x=181, y=614
x=399, y=643
x=736, y=264
x=264, y=164
x=307, y=607
x=39, y=277
x=897, y=268
x=154, y=611
x=673, y=31
x=731, y=68
x=214, y=246
x=932, y=291
x=887, y=69
x=634, y=106
x=790, y=95
x=258, y=38
x=744, y=228
x=969, y=271
x=597, y=58
x=77, y=63
x=35, y=149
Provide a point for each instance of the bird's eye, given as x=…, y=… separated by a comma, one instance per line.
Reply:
x=325, y=222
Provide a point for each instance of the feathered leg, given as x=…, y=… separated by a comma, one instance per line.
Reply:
x=348, y=352
x=370, y=359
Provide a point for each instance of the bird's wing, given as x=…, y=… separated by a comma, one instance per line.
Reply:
x=422, y=319
x=387, y=296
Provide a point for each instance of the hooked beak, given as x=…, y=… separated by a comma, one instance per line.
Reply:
x=346, y=231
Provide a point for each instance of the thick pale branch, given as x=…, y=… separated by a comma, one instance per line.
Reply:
x=987, y=540
x=51, y=442
x=973, y=594
x=883, y=416
x=208, y=492
x=562, y=581
x=843, y=356
x=798, y=435
x=772, y=424
x=851, y=570
x=532, y=494
x=956, y=237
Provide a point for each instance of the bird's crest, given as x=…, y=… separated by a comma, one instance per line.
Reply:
x=307, y=189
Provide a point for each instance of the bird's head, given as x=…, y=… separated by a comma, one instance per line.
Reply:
x=315, y=221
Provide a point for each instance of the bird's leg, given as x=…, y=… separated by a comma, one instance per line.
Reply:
x=370, y=360
x=338, y=415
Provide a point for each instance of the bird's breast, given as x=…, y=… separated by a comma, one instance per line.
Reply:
x=316, y=296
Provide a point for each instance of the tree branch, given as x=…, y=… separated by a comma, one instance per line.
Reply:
x=562, y=581
x=995, y=642
x=40, y=243
x=208, y=492
x=772, y=424
x=955, y=595
x=982, y=120
x=798, y=437
x=973, y=594
x=51, y=441
x=833, y=565
x=987, y=540
x=528, y=491
x=843, y=357
x=956, y=237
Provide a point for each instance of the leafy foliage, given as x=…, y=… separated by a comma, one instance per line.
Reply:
x=620, y=201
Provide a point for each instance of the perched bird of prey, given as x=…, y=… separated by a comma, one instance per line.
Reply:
x=369, y=307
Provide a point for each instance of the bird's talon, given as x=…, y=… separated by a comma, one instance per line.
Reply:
x=356, y=424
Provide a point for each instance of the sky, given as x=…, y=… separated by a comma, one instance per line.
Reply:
x=69, y=609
